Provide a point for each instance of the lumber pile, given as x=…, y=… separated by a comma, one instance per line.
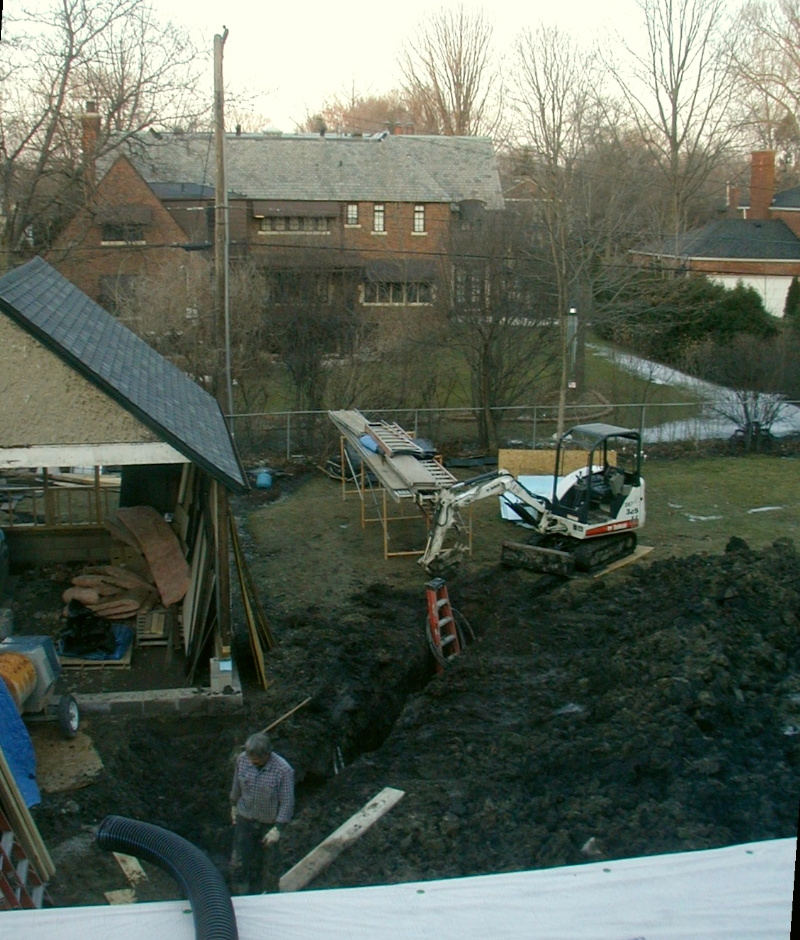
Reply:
x=160, y=578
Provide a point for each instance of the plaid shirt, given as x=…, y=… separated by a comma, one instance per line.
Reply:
x=263, y=793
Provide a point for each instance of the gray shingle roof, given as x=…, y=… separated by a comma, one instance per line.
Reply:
x=788, y=199
x=738, y=239
x=108, y=354
x=399, y=168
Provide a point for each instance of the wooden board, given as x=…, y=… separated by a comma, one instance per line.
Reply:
x=641, y=551
x=537, y=463
x=63, y=764
x=320, y=858
x=131, y=868
x=124, y=662
x=122, y=896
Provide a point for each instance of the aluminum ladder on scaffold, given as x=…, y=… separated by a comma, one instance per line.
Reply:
x=442, y=629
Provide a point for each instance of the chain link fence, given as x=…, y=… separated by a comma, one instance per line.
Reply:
x=310, y=436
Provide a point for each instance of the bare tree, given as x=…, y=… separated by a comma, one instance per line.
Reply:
x=500, y=317
x=113, y=52
x=765, y=49
x=552, y=100
x=449, y=75
x=677, y=92
x=356, y=113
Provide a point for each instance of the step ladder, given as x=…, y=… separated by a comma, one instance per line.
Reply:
x=441, y=623
x=20, y=885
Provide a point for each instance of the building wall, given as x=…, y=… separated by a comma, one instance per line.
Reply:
x=80, y=255
x=791, y=218
x=45, y=402
x=772, y=289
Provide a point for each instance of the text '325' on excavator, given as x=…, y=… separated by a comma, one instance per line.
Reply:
x=589, y=521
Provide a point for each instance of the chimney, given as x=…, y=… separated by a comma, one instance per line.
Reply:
x=90, y=130
x=762, y=183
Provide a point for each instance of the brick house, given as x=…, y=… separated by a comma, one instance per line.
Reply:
x=757, y=243
x=123, y=232
x=363, y=219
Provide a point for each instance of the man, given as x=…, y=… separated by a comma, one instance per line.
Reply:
x=262, y=801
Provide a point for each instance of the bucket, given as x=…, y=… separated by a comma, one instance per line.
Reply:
x=264, y=480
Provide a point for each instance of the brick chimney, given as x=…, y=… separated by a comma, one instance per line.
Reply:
x=762, y=183
x=90, y=130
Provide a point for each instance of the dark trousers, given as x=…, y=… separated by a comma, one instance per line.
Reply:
x=247, y=859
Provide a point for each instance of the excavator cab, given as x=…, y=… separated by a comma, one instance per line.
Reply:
x=598, y=491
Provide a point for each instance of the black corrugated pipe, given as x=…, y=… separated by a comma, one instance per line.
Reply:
x=214, y=917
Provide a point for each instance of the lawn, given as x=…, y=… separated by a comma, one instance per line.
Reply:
x=698, y=504
x=693, y=505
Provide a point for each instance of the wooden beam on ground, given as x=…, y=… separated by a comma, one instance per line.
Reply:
x=320, y=858
x=131, y=868
x=121, y=896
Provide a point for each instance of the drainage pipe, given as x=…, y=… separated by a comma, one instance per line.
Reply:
x=212, y=908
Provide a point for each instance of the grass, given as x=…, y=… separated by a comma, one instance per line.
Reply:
x=698, y=504
x=693, y=506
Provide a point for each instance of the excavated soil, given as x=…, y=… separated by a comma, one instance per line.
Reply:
x=654, y=710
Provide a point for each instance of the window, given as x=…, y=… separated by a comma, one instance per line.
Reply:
x=305, y=224
x=379, y=218
x=397, y=293
x=469, y=286
x=298, y=288
x=351, y=217
x=419, y=220
x=128, y=233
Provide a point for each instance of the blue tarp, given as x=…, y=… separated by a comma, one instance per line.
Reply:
x=18, y=748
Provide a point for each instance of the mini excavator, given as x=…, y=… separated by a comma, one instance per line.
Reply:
x=590, y=520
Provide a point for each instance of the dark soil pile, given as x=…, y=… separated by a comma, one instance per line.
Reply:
x=655, y=710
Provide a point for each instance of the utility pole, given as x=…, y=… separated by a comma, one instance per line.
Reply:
x=221, y=228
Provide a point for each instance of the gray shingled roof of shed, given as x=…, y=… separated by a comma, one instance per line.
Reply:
x=737, y=239
x=396, y=168
x=108, y=354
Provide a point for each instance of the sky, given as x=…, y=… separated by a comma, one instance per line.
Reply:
x=293, y=56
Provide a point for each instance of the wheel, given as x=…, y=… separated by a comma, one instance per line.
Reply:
x=69, y=718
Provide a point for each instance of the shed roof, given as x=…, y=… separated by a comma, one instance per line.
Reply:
x=394, y=168
x=162, y=397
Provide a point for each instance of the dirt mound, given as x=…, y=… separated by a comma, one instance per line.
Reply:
x=652, y=711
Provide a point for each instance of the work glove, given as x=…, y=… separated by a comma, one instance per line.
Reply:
x=271, y=838
x=233, y=815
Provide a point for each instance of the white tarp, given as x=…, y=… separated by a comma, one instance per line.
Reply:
x=737, y=893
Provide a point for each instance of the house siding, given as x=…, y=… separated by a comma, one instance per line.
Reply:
x=46, y=403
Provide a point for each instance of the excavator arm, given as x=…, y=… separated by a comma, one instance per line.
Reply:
x=446, y=517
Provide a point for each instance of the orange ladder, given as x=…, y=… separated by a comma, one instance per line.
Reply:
x=441, y=623
x=20, y=885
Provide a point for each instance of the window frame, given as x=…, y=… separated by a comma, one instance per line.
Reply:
x=397, y=293
x=351, y=215
x=379, y=218
x=118, y=233
x=418, y=223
